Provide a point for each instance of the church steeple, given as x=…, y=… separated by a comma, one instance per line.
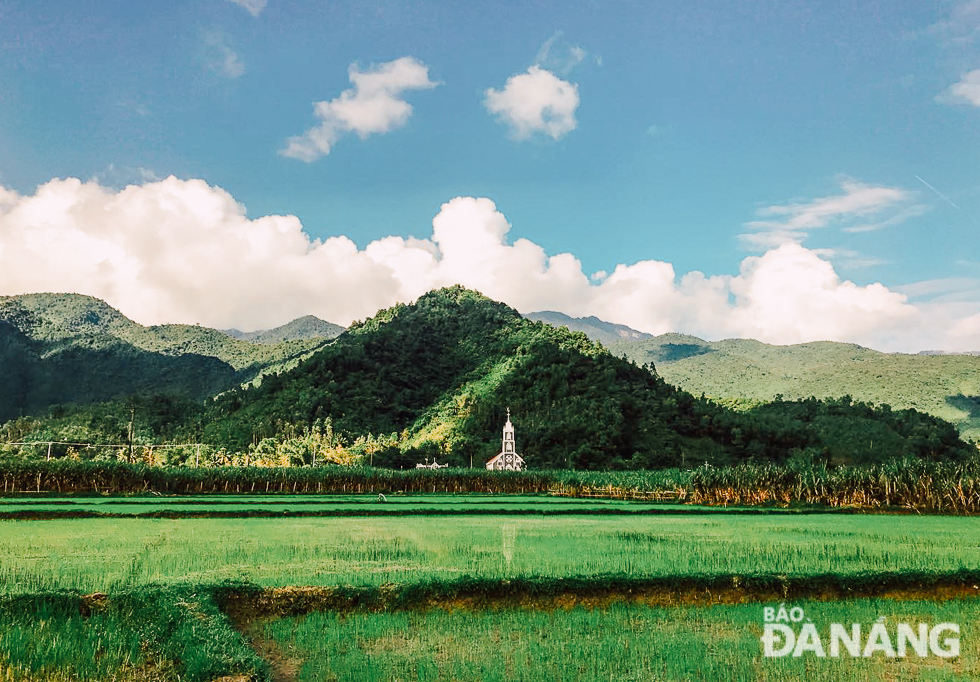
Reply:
x=508, y=445
x=508, y=459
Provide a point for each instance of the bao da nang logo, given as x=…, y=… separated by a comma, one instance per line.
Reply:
x=788, y=632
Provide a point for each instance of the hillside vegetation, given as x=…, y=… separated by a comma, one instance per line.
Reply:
x=428, y=380
x=748, y=372
x=68, y=348
x=436, y=377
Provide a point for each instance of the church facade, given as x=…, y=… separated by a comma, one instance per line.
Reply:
x=508, y=459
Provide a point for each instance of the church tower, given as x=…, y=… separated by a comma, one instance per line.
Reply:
x=508, y=459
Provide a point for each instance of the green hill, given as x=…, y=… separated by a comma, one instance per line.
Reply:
x=946, y=386
x=69, y=348
x=431, y=379
x=301, y=329
x=441, y=372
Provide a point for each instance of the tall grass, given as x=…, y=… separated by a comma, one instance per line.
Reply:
x=68, y=476
x=915, y=484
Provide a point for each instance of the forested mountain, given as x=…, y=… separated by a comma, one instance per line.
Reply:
x=946, y=386
x=430, y=379
x=440, y=373
x=745, y=372
x=69, y=348
x=301, y=329
x=596, y=329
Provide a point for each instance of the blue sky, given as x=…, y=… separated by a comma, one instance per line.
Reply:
x=817, y=162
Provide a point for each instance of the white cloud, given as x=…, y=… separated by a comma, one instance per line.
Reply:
x=535, y=102
x=254, y=7
x=538, y=101
x=558, y=55
x=966, y=332
x=964, y=91
x=221, y=58
x=373, y=105
x=851, y=211
x=961, y=28
x=184, y=251
x=791, y=295
x=122, y=176
x=944, y=290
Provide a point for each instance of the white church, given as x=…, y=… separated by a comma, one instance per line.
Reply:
x=508, y=459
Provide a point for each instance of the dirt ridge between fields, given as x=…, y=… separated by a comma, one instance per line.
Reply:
x=277, y=602
x=248, y=611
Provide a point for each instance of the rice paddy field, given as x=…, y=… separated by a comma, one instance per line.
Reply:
x=127, y=588
x=621, y=642
x=102, y=554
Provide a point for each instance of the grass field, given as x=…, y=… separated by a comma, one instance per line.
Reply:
x=162, y=619
x=623, y=642
x=106, y=554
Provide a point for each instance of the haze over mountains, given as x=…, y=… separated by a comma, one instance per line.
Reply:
x=596, y=329
x=301, y=329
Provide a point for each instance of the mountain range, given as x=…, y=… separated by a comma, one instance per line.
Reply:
x=301, y=329
x=68, y=348
x=744, y=372
x=434, y=379
x=596, y=329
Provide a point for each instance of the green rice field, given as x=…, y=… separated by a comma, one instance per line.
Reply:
x=622, y=642
x=492, y=539
x=101, y=554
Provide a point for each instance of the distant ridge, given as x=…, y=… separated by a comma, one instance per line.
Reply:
x=946, y=385
x=596, y=329
x=70, y=348
x=303, y=328
x=946, y=352
x=746, y=371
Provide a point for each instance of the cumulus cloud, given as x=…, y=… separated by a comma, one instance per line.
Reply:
x=860, y=208
x=964, y=91
x=537, y=101
x=254, y=7
x=373, y=105
x=184, y=251
x=793, y=295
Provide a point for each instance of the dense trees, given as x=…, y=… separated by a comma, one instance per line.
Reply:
x=67, y=348
x=440, y=373
x=433, y=380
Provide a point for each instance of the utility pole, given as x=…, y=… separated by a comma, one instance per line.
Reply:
x=132, y=418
